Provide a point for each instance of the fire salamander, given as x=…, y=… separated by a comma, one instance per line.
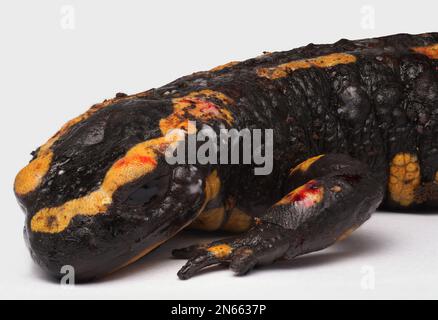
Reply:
x=355, y=127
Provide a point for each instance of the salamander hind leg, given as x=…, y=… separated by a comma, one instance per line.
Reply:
x=337, y=196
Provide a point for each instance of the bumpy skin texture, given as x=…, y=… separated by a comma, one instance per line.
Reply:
x=374, y=100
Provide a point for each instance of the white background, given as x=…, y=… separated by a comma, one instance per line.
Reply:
x=53, y=68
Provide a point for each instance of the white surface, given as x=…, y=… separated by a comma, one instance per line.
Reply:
x=402, y=250
x=49, y=74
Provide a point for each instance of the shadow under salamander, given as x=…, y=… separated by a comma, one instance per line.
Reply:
x=356, y=245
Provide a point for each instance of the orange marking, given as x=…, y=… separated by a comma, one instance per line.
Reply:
x=209, y=220
x=327, y=61
x=430, y=51
x=238, y=221
x=220, y=251
x=304, y=166
x=224, y=66
x=30, y=177
x=404, y=178
x=212, y=186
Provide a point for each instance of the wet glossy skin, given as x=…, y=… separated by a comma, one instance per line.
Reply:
x=99, y=195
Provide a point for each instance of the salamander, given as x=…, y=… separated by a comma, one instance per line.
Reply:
x=355, y=127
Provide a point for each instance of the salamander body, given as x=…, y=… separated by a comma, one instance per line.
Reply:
x=354, y=124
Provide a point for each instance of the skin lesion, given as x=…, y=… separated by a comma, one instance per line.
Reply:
x=404, y=178
x=430, y=51
x=305, y=196
x=199, y=104
x=326, y=61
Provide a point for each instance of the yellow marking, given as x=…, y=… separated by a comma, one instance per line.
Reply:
x=137, y=162
x=220, y=251
x=30, y=177
x=199, y=105
x=430, y=51
x=209, y=220
x=304, y=166
x=224, y=66
x=436, y=177
x=404, y=178
x=346, y=234
x=212, y=186
x=238, y=221
x=327, y=61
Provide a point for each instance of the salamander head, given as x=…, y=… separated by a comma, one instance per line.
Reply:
x=99, y=194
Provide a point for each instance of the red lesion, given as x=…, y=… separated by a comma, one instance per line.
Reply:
x=197, y=106
x=137, y=159
x=202, y=105
x=305, y=196
x=208, y=107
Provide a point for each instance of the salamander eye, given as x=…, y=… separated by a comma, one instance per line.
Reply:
x=148, y=192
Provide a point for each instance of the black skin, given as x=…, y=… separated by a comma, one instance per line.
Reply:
x=359, y=115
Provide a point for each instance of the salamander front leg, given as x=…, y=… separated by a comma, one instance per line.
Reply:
x=338, y=196
x=260, y=245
